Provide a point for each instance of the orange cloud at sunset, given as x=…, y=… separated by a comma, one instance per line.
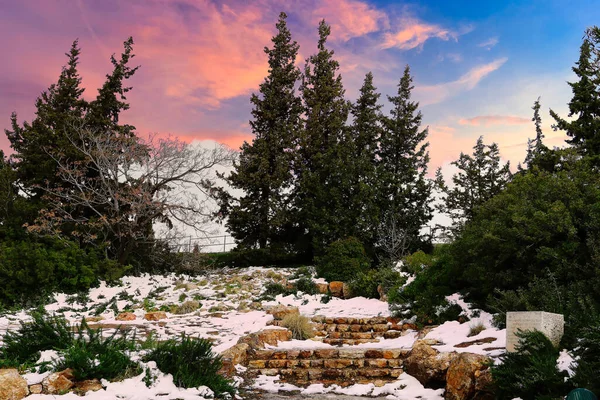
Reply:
x=350, y=18
x=487, y=120
x=414, y=33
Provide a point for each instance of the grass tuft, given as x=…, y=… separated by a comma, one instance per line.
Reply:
x=300, y=326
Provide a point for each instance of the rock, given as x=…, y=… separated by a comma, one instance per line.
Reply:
x=94, y=319
x=90, y=385
x=58, y=382
x=237, y=354
x=337, y=289
x=346, y=292
x=280, y=312
x=323, y=288
x=125, y=316
x=155, y=316
x=427, y=364
x=36, y=389
x=468, y=378
x=190, y=286
x=476, y=342
x=257, y=340
x=382, y=294
x=12, y=385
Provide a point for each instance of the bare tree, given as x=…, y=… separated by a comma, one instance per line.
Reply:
x=124, y=185
x=393, y=240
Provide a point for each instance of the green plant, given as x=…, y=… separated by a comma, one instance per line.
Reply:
x=366, y=284
x=587, y=354
x=192, y=363
x=182, y=297
x=531, y=371
x=343, y=260
x=300, y=326
x=273, y=289
x=306, y=285
x=415, y=262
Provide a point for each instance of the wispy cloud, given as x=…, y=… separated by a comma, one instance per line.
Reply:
x=350, y=18
x=413, y=33
x=491, y=42
x=436, y=93
x=487, y=120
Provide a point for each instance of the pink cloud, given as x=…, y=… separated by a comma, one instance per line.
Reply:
x=489, y=43
x=487, y=120
x=414, y=33
x=350, y=18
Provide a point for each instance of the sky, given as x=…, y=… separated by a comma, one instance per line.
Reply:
x=478, y=66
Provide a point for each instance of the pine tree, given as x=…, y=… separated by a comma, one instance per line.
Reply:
x=323, y=182
x=535, y=147
x=480, y=177
x=35, y=145
x=584, y=130
x=404, y=190
x=366, y=131
x=261, y=215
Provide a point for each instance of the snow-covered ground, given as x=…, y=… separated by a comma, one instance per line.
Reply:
x=229, y=310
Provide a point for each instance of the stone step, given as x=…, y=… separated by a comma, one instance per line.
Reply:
x=317, y=354
x=335, y=363
x=349, y=342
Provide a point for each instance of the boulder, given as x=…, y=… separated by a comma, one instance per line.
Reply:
x=155, y=316
x=323, y=288
x=12, y=385
x=280, y=312
x=257, y=340
x=233, y=356
x=469, y=378
x=346, y=292
x=337, y=289
x=382, y=294
x=427, y=364
x=126, y=316
x=58, y=382
x=90, y=385
x=97, y=318
x=36, y=388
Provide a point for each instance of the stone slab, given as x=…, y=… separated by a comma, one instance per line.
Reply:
x=551, y=325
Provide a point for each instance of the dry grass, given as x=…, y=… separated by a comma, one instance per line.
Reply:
x=301, y=326
x=476, y=329
x=187, y=307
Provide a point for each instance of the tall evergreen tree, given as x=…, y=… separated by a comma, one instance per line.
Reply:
x=405, y=192
x=584, y=130
x=35, y=145
x=261, y=215
x=321, y=192
x=535, y=147
x=366, y=131
x=480, y=177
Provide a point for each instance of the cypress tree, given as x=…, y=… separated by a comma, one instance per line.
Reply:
x=366, y=131
x=323, y=182
x=261, y=215
x=480, y=177
x=404, y=190
x=584, y=130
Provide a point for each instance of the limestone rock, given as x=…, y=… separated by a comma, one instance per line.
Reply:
x=468, y=378
x=58, y=382
x=90, y=385
x=126, y=316
x=233, y=356
x=337, y=289
x=427, y=364
x=382, y=294
x=12, y=385
x=155, y=316
x=323, y=288
x=36, y=389
x=97, y=318
x=257, y=340
x=280, y=312
x=346, y=291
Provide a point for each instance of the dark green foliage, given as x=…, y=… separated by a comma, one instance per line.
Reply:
x=192, y=363
x=587, y=354
x=273, y=289
x=366, y=283
x=343, y=260
x=480, y=177
x=42, y=333
x=92, y=356
x=323, y=182
x=261, y=216
x=305, y=285
x=531, y=372
x=584, y=107
x=540, y=240
x=417, y=261
x=32, y=268
x=404, y=192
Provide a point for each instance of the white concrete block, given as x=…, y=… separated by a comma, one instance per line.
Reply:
x=551, y=325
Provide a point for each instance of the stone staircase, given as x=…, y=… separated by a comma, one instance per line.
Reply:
x=352, y=331
x=344, y=367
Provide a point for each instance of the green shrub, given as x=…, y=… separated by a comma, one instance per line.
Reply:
x=343, y=260
x=366, y=283
x=192, y=363
x=273, y=289
x=306, y=285
x=415, y=262
x=300, y=326
x=187, y=307
x=531, y=371
x=587, y=354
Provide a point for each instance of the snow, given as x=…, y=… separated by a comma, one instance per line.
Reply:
x=566, y=362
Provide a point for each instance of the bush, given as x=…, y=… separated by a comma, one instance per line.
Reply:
x=343, y=260
x=587, y=354
x=366, y=284
x=531, y=371
x=305, y=285
x=415, y=262
x=32, y=268
x=192, y=363
x=299, y=325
